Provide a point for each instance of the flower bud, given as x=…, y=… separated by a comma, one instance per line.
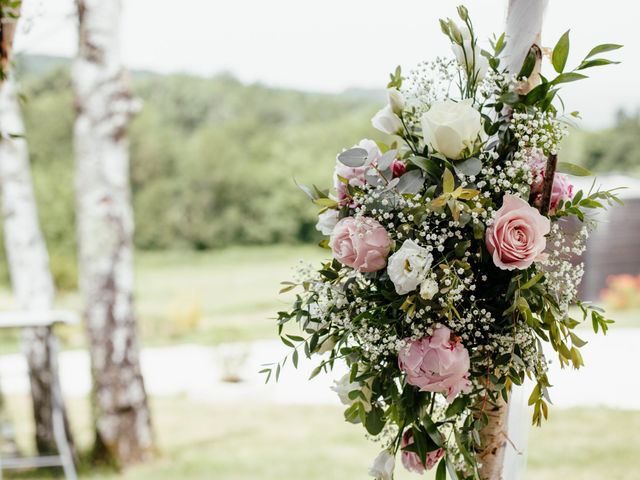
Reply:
x=396, y=101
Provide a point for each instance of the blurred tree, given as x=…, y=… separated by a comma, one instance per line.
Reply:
x=105, y=235
x=26, y=251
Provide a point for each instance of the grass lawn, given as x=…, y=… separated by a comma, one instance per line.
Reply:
x=212, y=297
x=202, y=297
x=201, y=441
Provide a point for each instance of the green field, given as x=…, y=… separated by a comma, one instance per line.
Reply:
x=251, y=442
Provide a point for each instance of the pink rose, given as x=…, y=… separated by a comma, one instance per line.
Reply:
x=436, y=364
x=355, y=176
x=517, y=236
x=361, y=243
x=398, y=168
x=411, y=460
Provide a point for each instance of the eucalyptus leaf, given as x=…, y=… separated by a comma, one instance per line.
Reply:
x=470, y=167
x=354, y=157
x=411, y=182
x=387, y=159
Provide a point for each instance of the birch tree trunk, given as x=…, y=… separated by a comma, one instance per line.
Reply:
x=27, y=255
x=104, y=107
x=523, y=32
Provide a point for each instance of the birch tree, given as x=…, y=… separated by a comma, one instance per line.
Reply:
x=104, y=106
x=27, y=255
x=523, y=34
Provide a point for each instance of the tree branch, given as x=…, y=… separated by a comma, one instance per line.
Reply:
x=547, y=187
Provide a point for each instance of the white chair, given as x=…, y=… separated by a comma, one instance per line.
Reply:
x=47, y=319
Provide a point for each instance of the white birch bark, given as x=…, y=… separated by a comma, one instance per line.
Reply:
x=523, y=31
x=27, y=255
x=105, y=234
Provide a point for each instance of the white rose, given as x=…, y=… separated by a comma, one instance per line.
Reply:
x=383, y=466
x=343, y=387
x=409, y=266
x=327, y=220
x=480, y=62
x=386, y=121
x=396, y=100
x=452, y=128
x=429, y=288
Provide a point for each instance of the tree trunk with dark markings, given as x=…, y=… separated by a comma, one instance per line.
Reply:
x=104, y=107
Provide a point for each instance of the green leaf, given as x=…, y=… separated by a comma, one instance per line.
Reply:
x=532, y=281
x=568, y=77
x=529, y=64
x=375, y=421
x=596, y=62
x=448, y=182
x=572, y=169
x=421, y=444
x=561, y=53
x=510, y=98
x=441, y=472
x=457, y=407
x=605, y=47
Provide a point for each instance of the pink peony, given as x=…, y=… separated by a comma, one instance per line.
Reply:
x=398, y=168
x=537, y=164
x=411, y=460
x=355, y=175
x=562, y=190
x=517, y=236
x=437, y=364
x=361, y=243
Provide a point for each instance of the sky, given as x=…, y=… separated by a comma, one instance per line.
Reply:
x=333, y=45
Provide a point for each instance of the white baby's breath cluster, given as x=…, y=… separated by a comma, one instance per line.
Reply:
x=538, y=130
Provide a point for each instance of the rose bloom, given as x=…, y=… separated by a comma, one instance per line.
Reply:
x=411, y=460
x=361, y=243
x=516, y=238
x=452, y=128
x=436, y=364
x=355, y=176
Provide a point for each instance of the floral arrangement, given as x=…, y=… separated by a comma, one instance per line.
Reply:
x=451, y=261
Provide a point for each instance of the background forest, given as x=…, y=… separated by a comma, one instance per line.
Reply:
x=209, y=152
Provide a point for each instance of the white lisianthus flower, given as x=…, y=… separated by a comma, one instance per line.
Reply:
x=409, y=266
x=452, y=128
x=396, y=100
x=383, y=466
x=468, y=58
x=327, y=220
x=429, y=288
x=343, y=387
x=386, y=121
